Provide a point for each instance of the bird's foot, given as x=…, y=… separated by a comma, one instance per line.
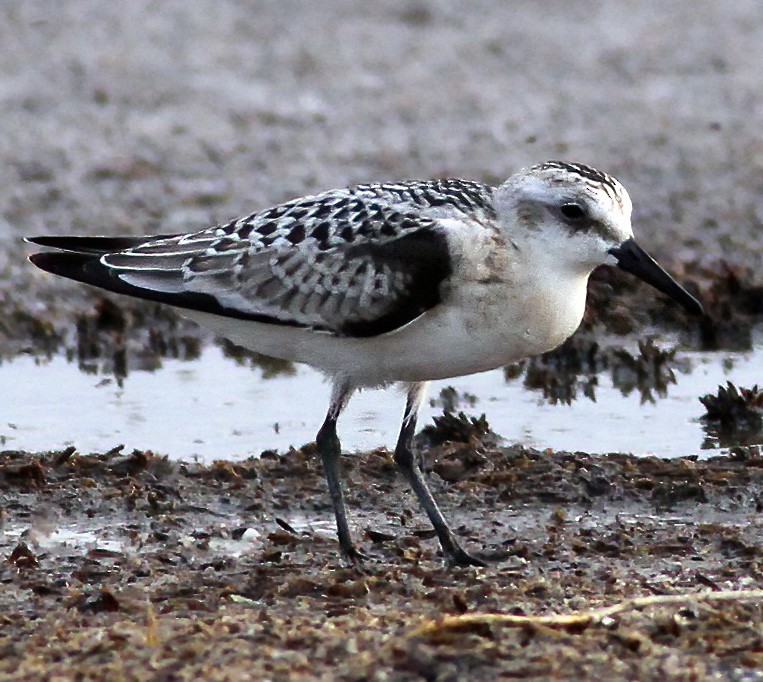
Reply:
x=352, y=554
x=456, y=556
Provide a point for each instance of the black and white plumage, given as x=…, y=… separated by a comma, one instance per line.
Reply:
x=397, y=282
x=355, y=262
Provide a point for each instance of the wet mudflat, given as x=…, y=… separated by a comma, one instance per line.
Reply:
x=165, y=117
x=135, y=567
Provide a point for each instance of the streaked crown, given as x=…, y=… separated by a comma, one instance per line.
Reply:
x=573, y=197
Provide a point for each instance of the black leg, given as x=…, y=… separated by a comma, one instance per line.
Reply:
x=408, y=464
x=329, y=449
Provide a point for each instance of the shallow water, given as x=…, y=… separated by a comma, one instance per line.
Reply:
x=66, y=537
x=213, y=408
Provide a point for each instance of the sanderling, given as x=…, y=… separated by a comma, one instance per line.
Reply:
x=392, y=282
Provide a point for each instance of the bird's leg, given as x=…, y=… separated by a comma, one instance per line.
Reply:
x=408, y=464
x=329, y=449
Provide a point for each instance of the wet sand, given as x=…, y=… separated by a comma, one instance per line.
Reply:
x=232, y=571
x=154, y=118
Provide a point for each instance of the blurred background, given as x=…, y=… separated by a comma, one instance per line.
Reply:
x=169, y=115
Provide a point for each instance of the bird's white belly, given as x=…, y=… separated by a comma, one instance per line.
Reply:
x=479, y=329
x=478, y=332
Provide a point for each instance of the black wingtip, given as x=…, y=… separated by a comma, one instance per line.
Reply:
x=88, y=269
x=42, y=261
x=93, y=245
x=69, y=265
x=53, y=241
x=62, y=242
x=38, y=260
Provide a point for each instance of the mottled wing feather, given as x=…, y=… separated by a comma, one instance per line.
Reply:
x=354, y=262
x=450, y=197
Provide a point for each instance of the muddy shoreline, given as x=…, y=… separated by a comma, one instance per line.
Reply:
x=147, y=118
x=231, y=571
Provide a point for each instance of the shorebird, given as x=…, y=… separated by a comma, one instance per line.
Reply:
x=393, y=282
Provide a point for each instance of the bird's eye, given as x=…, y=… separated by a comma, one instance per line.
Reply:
x=574, y=212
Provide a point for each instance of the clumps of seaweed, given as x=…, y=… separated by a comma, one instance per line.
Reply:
x=112, y=338
x=270, y=367
x=733, y=303
x=572, y=370
x=24, y=331
x=450, y=399
x=733, y=416
x=456, y=428
x=455, y=444
x=732, y=296
x=560, y=374
x=649, y=372
x=115, y=337
x=100, y=339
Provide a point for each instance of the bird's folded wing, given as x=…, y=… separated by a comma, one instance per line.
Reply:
x=362, y=271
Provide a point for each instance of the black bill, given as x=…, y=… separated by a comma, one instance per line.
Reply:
x=632, y=258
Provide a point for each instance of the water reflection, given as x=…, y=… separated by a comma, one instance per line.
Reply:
x=642, y=399
x=574, y=368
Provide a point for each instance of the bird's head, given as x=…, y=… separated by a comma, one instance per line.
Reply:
x=581, y=218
